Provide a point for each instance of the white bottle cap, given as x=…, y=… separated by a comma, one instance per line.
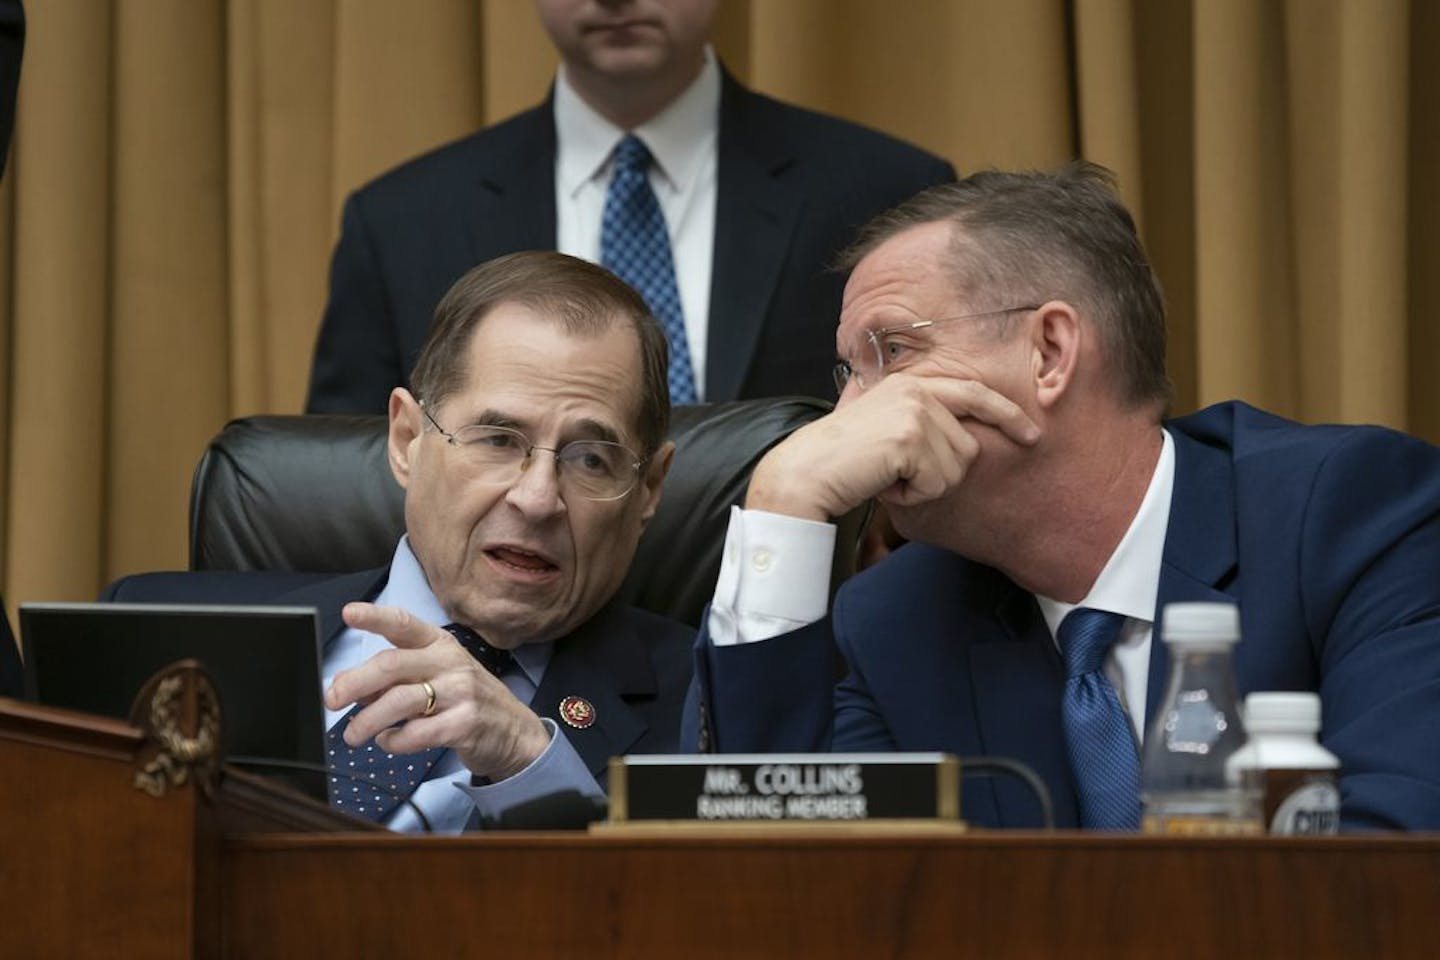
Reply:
x=1202, y=623
x=1288, y=712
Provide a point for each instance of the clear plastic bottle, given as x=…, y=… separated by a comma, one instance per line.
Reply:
x=1299, y=777
x=1184, y=786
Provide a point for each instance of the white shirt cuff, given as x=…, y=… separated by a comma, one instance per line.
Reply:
x=774, y=576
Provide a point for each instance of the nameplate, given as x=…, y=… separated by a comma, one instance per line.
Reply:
x=821, y=787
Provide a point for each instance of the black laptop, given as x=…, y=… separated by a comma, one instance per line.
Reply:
x=265, y=662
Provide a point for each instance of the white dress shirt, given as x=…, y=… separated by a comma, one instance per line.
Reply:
x=1129, y=585
x=775, y=576
x=683, y=140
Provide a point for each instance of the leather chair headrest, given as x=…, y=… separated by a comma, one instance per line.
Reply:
x=315, y=493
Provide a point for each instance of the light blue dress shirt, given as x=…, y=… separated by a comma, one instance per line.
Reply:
x=447, y=796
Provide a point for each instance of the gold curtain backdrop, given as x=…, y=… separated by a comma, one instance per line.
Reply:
x=178, y=168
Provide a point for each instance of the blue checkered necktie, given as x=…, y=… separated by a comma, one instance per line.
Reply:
x=636, y=247
x=1098, y=738
x=371, y=783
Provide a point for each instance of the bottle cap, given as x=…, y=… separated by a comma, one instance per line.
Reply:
x=1295, y=712
x=1201, y=623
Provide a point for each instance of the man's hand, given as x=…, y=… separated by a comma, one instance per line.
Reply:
x=494, y=734
x=905, y=441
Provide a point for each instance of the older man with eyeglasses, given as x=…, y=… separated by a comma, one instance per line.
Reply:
x=522, y=514
x=1003, y=392
x=487, y=668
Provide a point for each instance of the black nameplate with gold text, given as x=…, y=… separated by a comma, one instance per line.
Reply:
x=820, y=787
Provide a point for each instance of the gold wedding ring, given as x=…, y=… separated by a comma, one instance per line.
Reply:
x=429, y=698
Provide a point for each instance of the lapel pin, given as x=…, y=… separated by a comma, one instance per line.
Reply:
x=577, y=712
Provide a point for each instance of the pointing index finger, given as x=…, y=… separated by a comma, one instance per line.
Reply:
x=404, y=664
x=400, y=627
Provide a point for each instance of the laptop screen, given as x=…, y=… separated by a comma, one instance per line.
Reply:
x=264, y=661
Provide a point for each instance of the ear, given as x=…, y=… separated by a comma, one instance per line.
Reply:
x=1056, y=337
x=406, y=425
x=654, y=478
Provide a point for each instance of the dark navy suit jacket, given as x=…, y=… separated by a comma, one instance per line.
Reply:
x=792, y=187
x=632, y=665
x=1328, y=538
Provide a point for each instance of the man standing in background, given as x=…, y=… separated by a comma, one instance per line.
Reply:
x=722, y=206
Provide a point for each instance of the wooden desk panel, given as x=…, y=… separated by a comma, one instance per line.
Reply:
x=866, y=896
x=90, y=866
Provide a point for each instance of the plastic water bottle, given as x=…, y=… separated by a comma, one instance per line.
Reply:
x=1299, y=777
x=1184, y=783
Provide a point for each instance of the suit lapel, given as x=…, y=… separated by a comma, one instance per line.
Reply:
x=604, y=662
x=511, y=204
x=755, y=219
x=328, y=597
x=1200, y=553
x=1016, y=680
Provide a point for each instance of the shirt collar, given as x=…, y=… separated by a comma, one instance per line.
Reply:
x=408, y=589
x=1129, y=583
x=678, y=137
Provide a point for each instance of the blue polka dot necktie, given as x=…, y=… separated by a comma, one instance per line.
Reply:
x=369, y=782
x=635, y=245
x=1098, y=738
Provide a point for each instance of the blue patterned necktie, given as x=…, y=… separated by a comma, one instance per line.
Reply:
x=371, y=783
x=1098, y=738
x=635, y=246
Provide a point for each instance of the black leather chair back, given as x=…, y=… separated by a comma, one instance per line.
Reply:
x=315, y=493
x=295, y=493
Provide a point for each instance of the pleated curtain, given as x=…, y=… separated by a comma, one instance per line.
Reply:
x=178, y=167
